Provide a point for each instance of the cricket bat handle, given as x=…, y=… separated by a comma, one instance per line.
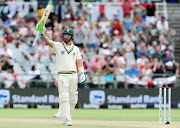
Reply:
x=35, y=41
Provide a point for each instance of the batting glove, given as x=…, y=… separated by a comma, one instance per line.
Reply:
x=43, y=29
x=83, y=78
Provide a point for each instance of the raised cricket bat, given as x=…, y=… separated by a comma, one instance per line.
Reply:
x=43, y=21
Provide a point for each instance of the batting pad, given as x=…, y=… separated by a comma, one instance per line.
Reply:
x=65, y=112
x=73, y=98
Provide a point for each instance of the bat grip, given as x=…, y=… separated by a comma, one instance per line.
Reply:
x=35, y=41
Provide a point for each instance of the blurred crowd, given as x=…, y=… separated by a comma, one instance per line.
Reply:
x=141, y=45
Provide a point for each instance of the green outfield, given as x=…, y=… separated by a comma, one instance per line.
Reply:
x=86, y=118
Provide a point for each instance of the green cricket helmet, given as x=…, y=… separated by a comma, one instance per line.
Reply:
x=69, y=31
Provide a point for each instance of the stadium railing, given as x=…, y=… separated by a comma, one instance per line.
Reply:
x=102, y=79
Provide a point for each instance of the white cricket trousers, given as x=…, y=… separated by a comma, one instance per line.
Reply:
x=68, y=95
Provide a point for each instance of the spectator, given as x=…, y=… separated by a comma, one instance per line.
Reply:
x=115, y=16
x=43, y=49
x=13, y=7
x=146, y=72
x=85, y=59
x=108, y=70
x=20, y=40
x=117, y=25
x=158, y=69
x=167, y=57
x=133, y=73
x=4, y=63
x=56, y=35
x=120, y=60
x=79, y=35
x=104, y=25
x=126, y=7
x=9, y=77
x=13, y=26
x=32, y=52
x=157, y=55
x=141, y=25
x=142, y=49
x=129, y=35
x=31, y=30
x=104, y=51
x=150, y=15
x=128, y=21
x=171, y=70
x=9, y=20
x=162, y=25
x=171, y=35
x=68, y=20
x=128, y=46
x=7, y=52
x=164, y=44
x=17, y=15
x=90, y=12
x=9, y=37
x=95, y=65
x=21, y=21
x=152, y=47
x=137, y=12
x=1, y=22
x=34, y=74
x=153, y=34
x=70, y=12
x=30, y=13
x=101, y=16
x=80, y=11
x=51, y=24
x=116, y=40
x=141, y=36
x=31, y=18
x=2, y=42
x=103, y=38
x=142, y=61
x=92, y=37
x=40, y=12
x=4, y=11
x=160, y=15
x=60, y=11
x=85, y=24
x=23, y=30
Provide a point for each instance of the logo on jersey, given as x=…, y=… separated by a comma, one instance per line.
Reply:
x=74, y=53
x=97, y=97
x=62, y=52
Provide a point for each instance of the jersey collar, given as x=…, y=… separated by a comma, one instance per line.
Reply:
x=65, y=47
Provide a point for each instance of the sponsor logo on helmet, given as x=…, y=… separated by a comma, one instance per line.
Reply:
x=67, y=30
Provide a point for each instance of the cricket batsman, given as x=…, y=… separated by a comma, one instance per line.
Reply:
x=67, y=55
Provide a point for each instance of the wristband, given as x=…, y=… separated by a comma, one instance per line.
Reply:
x=81, y=70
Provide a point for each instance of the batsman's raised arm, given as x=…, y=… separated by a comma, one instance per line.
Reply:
x=45, y=38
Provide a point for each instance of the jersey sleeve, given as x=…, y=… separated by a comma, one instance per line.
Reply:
x=54, y=46
x=78, y=55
